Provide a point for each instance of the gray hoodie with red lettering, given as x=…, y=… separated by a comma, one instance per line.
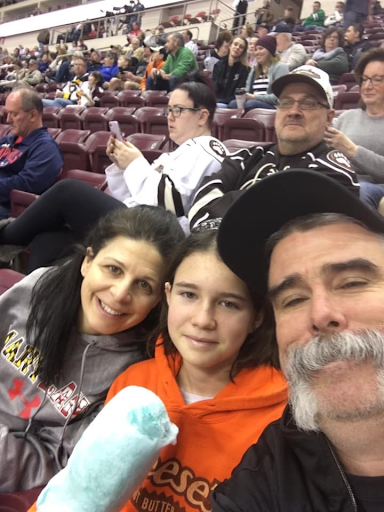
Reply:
x=39, y=425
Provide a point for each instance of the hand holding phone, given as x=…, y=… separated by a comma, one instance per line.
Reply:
x=115, y=129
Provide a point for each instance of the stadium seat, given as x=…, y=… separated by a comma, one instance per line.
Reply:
x=147, y=141
x=96, y=146
x=130, y=99
x=234, y=145
x=53, y=132
x=338, y=88
x=220, y=118
x=151, y=154
x=7, y=279
x=109, y=101
x=347, y=100
x=70, y=117
x=267, y=117
x=3, y=114
x=50, y=117
x=4, y=129
x=348, y=79
x=20, y=201
x=75, y=155
x=94, y=119
x=244, y=129
x=151, y=96
x=42, y=88
x=148, y=124
x=355, y=88
x=127, y=121
x=95, y=180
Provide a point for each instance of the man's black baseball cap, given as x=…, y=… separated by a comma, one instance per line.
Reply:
x=272, y=202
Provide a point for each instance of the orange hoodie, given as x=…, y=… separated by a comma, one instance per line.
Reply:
x=213, y=434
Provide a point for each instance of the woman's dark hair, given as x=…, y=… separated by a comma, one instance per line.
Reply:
x=259, y=347
x=224, y=36
x=329, y=31
x=56, y=301
x=201, y=91
x=98, y=77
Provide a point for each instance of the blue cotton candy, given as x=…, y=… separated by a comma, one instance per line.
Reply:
x=113, y=455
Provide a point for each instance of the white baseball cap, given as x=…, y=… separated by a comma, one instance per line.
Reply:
x=308, y=75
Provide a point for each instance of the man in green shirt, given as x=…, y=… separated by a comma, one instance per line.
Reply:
x=180, y=61
x=315, y=20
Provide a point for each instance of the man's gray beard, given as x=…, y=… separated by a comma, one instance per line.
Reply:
x=302, y=361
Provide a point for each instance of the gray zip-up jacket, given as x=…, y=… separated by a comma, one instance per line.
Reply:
x=38, y=425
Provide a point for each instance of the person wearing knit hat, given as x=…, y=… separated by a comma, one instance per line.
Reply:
x=259, y=92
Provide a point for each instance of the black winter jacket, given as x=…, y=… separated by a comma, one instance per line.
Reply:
x=286, y=471
x=238, y=73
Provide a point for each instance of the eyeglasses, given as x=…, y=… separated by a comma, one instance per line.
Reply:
x=306, y=104
x=375, y=80
x=177, y=111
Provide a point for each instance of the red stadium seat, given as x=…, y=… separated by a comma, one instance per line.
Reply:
x=3, y=114
x=347, y=100
x=151, y=154
x=70, y=117
x=124, y=116
x=50, y=117
x=41, y=87
x=4, y=129
x=20, y=200
x=7, y=279
x=244, y=129
x=53, y=132
x=220, y=118
x=75, y=155
x=130, y=99
x=109, y=101
x=146, y=115
x=96, y=146
x=348, y=79
x=234, y=145
x=95, y=180
x=147, y=141
x=267, y=117
x=338, y=88
x=94, y=119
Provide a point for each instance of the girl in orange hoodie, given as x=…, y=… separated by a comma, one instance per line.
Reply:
x=214, y=369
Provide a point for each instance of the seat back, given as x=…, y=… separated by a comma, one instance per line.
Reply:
x=348, y=79
x=4, y=129
x=20, y=201
x=8, y=278
x=54, y=132
x=220, y=118
x=96, y=147
x=130, y=99
x=94, y=119
x=124, y=116
x=75, y=155
x=267, y=117
x=347, y=100
x=70, y=117
x=244, y=129
x=50, y=117
x=145, y=114
x=147, y=141
x=95, y=180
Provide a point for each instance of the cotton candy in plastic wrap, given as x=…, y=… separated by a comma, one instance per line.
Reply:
x=113, y=456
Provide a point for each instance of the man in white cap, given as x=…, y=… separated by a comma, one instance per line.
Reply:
x=304, y=109
x=317, y=251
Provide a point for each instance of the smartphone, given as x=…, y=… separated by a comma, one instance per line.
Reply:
x=115, y=128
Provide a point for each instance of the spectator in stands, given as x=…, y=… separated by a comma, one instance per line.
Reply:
x=252, y=60
x=331, y=57
x=292, y=54
x=264, y=14
x=170, y=181
x=91, y=90
x=155, y=59
x=358, y=133
x=69, y=94
x=240, y=7
x=59, y=68
x=44, y=63
x=82, y=46
x=161, y=36
x=288, y=17
x=189, y=42
x=230, y=73
x=221, y=50
x=318, y=253
x=73, y=47
x=261, y=77
x=150, y=38
x=133, y=45
x=136, y=31
x=180, y=61
x=138, y=8
x=356, y=11
x=247, y=32
x=127, y=21
x=355, y=45
x=33, y=75
x=232, y=388
x=304, y=110
x=77, y=332
x=30, y=160
x=94, y=63
x=262, y=30
x=117, y=82
x=314, y=20
x=110, y=68
x=336, y=19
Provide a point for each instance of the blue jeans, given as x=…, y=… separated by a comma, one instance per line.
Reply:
x=58, y=102
x=5, y=211
x=250, y=104
x=371, y=194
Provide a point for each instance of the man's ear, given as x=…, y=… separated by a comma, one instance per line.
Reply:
x=167, y=290
x=89, y=255
x=331, y=115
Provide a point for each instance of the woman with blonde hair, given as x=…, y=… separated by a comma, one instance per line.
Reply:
x=230, y=73
x=260, y=79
